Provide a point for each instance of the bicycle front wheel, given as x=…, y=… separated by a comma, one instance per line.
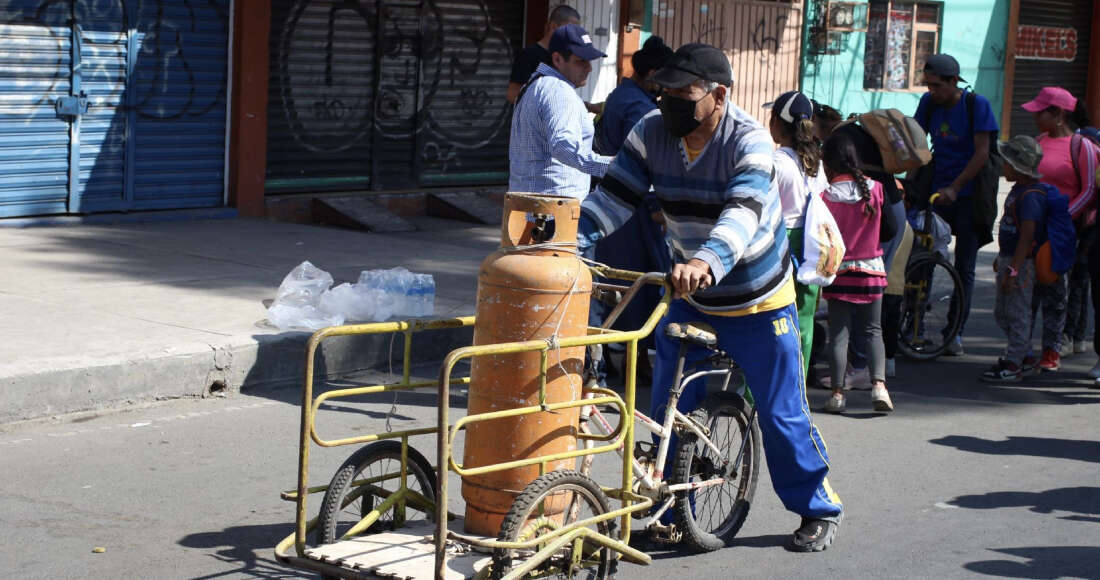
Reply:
x=931, y=307
x=711, y=513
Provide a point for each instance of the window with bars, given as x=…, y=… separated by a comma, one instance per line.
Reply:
x=901, y=35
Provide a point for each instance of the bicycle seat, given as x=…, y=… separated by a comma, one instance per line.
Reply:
x=697, y=333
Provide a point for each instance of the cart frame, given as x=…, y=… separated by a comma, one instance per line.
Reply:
x=446, y=433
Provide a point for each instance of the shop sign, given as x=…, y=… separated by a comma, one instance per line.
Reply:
x=1046, y=43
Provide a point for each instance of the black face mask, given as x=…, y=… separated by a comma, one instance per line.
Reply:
x=679, y=115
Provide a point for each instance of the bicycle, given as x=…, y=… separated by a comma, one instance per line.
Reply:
x=932, y=297
x=708, y=463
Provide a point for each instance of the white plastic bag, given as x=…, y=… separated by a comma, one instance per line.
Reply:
x=940, y=231
x=823, y=247
x=297, y=302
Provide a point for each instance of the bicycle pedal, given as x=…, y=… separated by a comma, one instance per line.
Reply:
x=662, y=534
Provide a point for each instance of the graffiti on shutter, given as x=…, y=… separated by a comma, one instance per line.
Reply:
x=1046, y=43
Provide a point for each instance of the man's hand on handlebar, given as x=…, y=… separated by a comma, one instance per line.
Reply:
x=687, y=278
x=945, y=196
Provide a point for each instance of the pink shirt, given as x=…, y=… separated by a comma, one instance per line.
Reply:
x=1057, y=169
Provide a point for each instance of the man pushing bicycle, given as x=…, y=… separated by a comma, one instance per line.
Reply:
x=710, y=166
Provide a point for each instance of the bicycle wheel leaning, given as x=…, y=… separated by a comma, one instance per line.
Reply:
x=711, y=515
x=930, y=317
x=551, y=502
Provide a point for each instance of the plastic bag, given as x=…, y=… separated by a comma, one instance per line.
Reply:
x=297, y=302
x=940, y=231
x=823, y=247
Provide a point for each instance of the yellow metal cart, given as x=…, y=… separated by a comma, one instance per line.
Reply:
x=435, y=547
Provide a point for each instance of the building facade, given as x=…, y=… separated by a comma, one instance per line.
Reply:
x=861, y=56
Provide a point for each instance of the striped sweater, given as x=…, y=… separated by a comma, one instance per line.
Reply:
x=722, y=208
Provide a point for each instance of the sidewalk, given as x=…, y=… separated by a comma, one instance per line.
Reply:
x=99, y=316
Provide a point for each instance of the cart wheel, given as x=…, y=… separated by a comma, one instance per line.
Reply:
x=572, y=497
x=710, y=516
x=349, y=498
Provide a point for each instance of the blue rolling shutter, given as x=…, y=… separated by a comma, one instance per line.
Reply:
x=35, y=70
x=103, y=41
x=178, y=97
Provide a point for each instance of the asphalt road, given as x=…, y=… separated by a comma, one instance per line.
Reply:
x=965, y=480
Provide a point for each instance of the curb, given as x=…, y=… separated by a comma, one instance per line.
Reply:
x=257, y=364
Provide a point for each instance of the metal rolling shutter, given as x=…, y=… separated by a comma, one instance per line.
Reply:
x=389, y=94
x=178, y=102
x=35, y=70
x=465, y=117
x=1033, y=75
x=321, y=93
x=102, y=131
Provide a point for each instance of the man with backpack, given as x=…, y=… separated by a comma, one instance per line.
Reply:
x=963, y=130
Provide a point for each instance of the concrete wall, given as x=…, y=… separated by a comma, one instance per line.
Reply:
x=973, y=31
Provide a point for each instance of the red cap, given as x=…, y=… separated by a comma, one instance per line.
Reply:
x=1051, y=97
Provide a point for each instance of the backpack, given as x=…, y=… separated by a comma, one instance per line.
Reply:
x=1057, y=252
x=900, y=139
x=1076, y=142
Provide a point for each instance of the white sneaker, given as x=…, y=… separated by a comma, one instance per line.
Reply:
x=1095, y=371
x=891, y=369
x=955, y=347
x=858, y=379
x=1079, y=347
x=881, y=399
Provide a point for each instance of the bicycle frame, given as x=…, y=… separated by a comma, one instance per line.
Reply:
x=664, y=433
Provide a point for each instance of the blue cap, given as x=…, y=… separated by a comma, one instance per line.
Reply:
x=573, y=39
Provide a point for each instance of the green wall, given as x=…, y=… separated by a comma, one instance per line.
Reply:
x=973, y=31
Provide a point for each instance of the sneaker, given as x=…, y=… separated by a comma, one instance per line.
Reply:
x=835, y=404
x=1079, y=347
x=1002, y=372
x=858, y=379
x=1067, y=346
x=1029, y=364
x=1050, y=361
x=813, y=535
x=881, y=399
x=1094, y=372
x=955, y=347
x=891, y=369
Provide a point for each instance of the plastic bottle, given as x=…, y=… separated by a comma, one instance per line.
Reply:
x=429, y=295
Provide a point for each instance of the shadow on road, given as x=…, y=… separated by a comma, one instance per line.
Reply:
x=1083, y=501
x=1043, y=563
x=1080, y=450
x=250, y=548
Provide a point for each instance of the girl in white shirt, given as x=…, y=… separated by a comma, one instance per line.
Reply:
x=798, y=174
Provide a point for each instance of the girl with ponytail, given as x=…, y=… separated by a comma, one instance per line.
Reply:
x=798, y=174
x=855, y=297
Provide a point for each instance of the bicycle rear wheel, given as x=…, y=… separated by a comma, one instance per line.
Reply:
x=932, y=300
x=710, y=515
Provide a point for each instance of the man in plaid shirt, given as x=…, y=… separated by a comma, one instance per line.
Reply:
x=551, y=143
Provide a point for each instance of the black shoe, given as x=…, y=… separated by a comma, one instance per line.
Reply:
x=813, y=535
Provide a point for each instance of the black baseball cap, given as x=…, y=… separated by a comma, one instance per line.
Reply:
x=692, y=62
x=573, y=39
x=943, y=65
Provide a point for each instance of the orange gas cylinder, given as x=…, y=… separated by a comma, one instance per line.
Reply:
x=533, y=287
